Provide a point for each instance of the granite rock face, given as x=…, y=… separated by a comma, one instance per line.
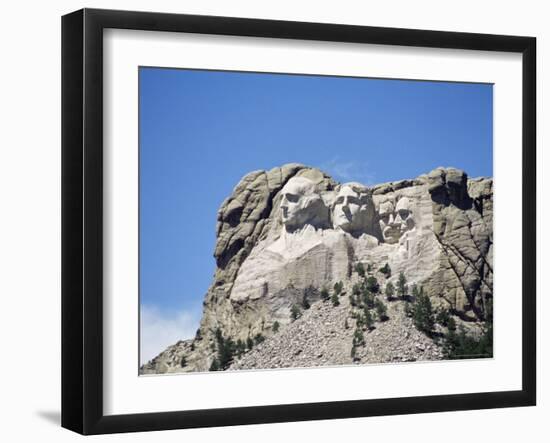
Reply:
x=285, y=234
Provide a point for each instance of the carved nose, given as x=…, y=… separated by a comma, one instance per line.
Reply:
x=346, y=211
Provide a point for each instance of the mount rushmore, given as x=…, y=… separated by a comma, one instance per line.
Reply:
x=288, y=236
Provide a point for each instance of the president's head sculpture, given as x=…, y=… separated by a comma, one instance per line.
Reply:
x=395, y=220
x=353, y=209
x=302, y=205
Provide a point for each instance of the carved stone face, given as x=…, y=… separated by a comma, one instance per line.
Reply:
x=301, y=205
x=394, y=222
x=346, y=208
x=353, y=210
x=403, y=215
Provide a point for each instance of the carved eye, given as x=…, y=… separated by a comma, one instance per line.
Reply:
x=292, y=198
x=404, y=213
x=339, y=201
x=353, y=201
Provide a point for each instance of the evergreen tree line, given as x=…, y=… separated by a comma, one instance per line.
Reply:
x=364, y=297
x=227, y=349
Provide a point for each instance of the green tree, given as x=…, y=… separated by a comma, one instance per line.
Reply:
x=442, y=317
x=359, y=322
x=249, y=343
x=415, y=290
x=369, y=268
x=358, y=338
x=218, y=334
x=305, y=302
x=325, y=294
x=183, y=362
x=451, y=324
x=390, y=291
x=368, y=299
x=214, y=366
x=239, y=347
x=369, y=321
x=356, y=289
x=334, y=299
x=381, y=310
x=461, y=345
x=225, y=348
x=295, y=312
x=338, y=287
x=372, y=284
x=258, y=338
x=423, y=316
x=275, y=327
x=360, y=269
x=386, y=270
x=402, y=285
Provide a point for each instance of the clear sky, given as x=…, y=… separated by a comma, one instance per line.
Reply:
x=201, y=131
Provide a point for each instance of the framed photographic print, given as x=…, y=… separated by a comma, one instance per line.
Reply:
x=269, y=221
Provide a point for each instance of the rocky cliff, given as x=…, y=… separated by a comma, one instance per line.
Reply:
x=286, y=235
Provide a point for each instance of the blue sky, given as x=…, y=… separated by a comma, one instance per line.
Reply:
x=201, y=131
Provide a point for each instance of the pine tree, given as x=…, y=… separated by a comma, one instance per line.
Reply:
x=442, y=317
x=215, y=366
x=239, y=347
x=275, y=327
x=389, y=291
x=372, y=284
x=368, y=299
x=423, y=316
x=249, y=343
x=295, y=312
x=381, y=310
x=369, y=321
x=386, y=270
x=258, y=338
x=334, y=299
x=360, y=269
x=226, y=348
x=461, y=345
x=358, y=338
x=402, y=285
x=325, y=294
x=451, y=324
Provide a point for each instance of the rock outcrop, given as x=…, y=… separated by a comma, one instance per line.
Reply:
x=285, y=234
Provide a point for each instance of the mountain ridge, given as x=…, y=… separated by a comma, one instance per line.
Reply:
x=436, y=229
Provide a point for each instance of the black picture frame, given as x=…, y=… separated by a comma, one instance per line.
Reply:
x=82, y=218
